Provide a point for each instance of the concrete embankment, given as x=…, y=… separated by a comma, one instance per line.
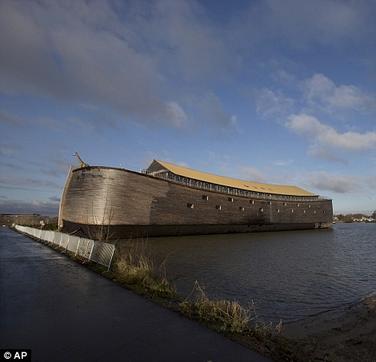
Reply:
x=65, y=312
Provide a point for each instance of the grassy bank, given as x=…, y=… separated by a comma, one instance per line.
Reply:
x=135, y=268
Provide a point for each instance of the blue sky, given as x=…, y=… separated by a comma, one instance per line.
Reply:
x=272, y=91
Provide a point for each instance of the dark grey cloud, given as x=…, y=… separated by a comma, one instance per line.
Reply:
x=303, y=23
x=40, y=207
x=7, y=118
x=81, y=51
x=27, y=183
x=8, y=150
x=371, y=181
x=59, y=167
x=56, y=168
x=211, y=109
x=142, y=58
x=325, y=181
x=54, y=199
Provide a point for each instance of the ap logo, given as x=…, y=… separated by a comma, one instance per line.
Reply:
x=15, y=355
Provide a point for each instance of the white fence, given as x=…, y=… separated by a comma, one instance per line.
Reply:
x=96, y=251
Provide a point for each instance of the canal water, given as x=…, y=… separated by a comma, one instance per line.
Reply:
x=288, y=275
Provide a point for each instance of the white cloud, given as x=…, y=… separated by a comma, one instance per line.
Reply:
x=271, y=103
x=176, y=114
x=327, y=136
x=283, y=163
x=323, y=92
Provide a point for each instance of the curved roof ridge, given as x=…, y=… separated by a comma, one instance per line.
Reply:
x=233, y=182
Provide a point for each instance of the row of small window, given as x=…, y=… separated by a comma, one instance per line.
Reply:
x=241, y=208
x=231, y=199
x=229, y=190
x=218, y=207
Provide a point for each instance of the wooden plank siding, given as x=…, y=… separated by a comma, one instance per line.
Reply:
x=118, y=197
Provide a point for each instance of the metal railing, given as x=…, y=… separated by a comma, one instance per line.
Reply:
x=207, y=186
x=93, y=250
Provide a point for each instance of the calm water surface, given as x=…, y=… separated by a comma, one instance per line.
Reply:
x=289, y=275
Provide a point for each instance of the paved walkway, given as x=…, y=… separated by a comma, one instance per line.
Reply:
x=65, y=312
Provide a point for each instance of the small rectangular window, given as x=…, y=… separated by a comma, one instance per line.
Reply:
x=241, y=208
x=261, y=209
x=218, y=207
x=278, y=211
x=205, y=197
x=231, y=199
x=252, y=202
x=191, y=206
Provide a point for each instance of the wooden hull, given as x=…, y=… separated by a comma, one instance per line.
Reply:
x=122, y=204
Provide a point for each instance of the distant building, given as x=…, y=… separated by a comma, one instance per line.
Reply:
x=24, y=219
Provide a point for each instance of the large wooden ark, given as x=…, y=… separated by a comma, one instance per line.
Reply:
x=167, y=199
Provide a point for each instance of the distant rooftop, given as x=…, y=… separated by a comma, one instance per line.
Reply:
x=19, y=214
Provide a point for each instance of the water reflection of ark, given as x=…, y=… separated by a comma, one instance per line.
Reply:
x=167, y=199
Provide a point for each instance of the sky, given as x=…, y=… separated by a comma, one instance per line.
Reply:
x=271, y=91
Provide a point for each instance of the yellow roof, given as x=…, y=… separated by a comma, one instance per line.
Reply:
x=232, y=182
